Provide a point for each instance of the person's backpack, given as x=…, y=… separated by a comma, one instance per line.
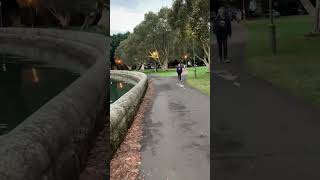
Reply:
x=222, y=25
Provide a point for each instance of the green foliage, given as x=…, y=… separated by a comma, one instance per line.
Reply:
x=170, y=32
x=191, y=16
x=199, y=20
x=154, y=33
x=192, y=19
x=115, y=42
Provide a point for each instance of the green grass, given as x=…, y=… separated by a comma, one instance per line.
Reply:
x=296, y=67
x=168, y=73
x=202, y=82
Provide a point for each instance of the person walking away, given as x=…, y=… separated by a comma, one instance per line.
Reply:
x=222, y=28
x=179, y=71
x=239, y=16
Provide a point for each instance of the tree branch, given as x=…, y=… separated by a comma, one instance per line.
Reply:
x=308, y=6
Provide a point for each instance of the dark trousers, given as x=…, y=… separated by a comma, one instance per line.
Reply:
x=223, y=47
x=179, y=76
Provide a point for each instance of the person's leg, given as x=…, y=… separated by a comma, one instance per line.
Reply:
x=225, y=48
x=219, y=40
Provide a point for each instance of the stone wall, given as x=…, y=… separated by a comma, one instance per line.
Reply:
x=124, y=109
x=52, y=144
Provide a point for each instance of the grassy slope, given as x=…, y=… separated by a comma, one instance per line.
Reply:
x=296, y=67
x=202, y=82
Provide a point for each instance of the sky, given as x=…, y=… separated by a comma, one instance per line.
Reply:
x=126, y=14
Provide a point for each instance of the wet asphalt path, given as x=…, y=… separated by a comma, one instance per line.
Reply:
x=176, y=138
x=259, y=132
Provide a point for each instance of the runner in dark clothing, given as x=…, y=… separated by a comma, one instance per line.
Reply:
x=179, y=71
x=222, y=29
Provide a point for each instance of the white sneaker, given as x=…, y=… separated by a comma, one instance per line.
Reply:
x=227, y=61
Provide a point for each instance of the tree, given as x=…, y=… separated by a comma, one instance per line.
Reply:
x=28, y=4
x=163, y=36
x=314, y=12
x=62, y=9
x=116, y=39
x=134, y=50
x=169, y=34
x=104, y=6
x=139, y=44
x=153, y=34
x=131, y=51
x=200, y=26
x=192, y=19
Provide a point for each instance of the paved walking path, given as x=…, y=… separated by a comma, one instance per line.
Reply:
x=260, y=132
x=176, y=138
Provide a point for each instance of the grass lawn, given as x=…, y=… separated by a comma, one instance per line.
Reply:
x=296, y=67
x=202, y=82
x=170, y=72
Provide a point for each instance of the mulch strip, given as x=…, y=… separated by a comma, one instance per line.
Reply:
x=126, y=161
x=99, y=157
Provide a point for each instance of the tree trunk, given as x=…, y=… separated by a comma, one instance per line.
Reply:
x=206, y=49
x=104, y=20
x=16, y=21
x=164, y=65
x=314, y=12
x=317, y=17
x=64, y=20
x=308, y=7
x=142, y=67
x=89, y=20
x=209, y=60
x=206, y=62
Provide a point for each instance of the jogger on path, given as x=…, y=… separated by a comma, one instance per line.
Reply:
x=179, y=71
x=222, y=29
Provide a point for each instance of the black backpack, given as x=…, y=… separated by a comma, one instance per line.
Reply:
x=222, y=25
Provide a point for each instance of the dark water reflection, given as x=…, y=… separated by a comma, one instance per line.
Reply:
x=117, y=89
x=25, y=87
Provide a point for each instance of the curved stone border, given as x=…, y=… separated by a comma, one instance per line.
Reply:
x=54, y=141
x=124, y=109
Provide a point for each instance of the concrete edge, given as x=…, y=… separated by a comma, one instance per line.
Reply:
x=51, y=142
x=124, y=109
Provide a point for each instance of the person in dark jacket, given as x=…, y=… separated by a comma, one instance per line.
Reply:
x=222, y=29
x=179, y=71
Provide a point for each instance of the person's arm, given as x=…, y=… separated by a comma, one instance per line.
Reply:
x=215, y=26
x=229, y=28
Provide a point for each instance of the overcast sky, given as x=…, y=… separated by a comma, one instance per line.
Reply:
x=126, y=14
